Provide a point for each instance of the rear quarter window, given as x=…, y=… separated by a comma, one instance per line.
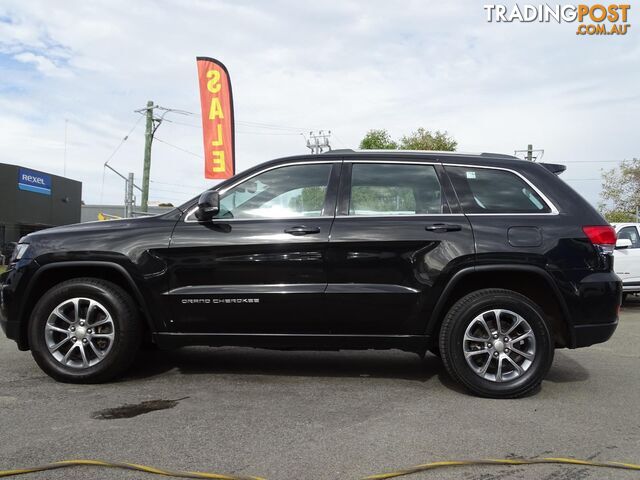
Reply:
x=485, y=190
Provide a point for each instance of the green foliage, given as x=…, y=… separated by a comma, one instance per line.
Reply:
x=621, y=191
x=378, y=140
x=310, y=200
x=613, y=216
x=421, y=139
x=380, y=199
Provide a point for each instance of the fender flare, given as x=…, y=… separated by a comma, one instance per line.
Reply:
x=437, y=312
x=80, y=263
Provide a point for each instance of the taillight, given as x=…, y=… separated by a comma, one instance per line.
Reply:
x=603, y=236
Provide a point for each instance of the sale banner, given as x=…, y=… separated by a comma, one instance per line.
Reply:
x=217, y=119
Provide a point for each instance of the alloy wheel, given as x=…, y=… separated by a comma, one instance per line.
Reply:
x=79, y=333
x=499, y=345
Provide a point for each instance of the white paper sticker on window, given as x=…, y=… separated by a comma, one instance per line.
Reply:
x=471, y=174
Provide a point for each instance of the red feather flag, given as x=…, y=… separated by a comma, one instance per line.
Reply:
x=217, y=119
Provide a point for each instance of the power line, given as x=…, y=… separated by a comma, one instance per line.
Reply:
x=173, y=184
x=266, y=133
x=178, y=148
x=104, y=167
x=171, y=191
x=124, y=139
x=592, y=161
x=269, y=126
x=261, y=124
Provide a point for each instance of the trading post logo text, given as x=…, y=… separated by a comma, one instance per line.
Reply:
x=594, y=19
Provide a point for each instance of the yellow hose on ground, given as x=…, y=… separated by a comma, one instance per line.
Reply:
x=381, y=476
x=502, y=461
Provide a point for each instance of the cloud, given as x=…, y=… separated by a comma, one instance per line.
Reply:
x=43, y=64
x=342, y=65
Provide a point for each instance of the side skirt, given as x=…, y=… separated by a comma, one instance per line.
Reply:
x=409, y=343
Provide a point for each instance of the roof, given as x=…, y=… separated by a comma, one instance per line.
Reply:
x=422, y=152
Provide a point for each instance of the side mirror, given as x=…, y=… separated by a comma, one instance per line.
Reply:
x=623, y=243
x=208, y=206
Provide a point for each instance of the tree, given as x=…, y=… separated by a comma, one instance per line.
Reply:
x=421, y=139
x=621, y=191
x=613, y=216
x=378, y=140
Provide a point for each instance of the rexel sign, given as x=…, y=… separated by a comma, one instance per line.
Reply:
x=33, y=181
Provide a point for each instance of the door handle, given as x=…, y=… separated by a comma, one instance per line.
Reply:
x=301, y=230
x=442, y=227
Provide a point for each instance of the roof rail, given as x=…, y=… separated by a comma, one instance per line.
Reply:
x=340, y=150
x=431, y=152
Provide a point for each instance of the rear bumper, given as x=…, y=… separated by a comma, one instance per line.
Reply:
x=593, y=305
x=586, y=335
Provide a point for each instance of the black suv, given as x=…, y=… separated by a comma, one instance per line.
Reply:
x=486, y=260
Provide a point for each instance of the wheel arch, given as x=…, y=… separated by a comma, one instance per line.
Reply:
x=51, y=274
x=512, y=277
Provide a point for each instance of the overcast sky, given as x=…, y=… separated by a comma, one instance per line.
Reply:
x=341, y=65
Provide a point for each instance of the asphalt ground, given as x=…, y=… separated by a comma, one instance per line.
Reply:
x=322, y=415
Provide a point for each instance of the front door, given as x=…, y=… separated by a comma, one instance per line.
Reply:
x=392, y=239
x=259, y=265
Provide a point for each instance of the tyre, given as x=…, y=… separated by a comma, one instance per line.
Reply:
x=496, y=343
x=84, y=330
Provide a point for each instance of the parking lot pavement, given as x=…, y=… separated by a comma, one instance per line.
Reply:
x=317, y=415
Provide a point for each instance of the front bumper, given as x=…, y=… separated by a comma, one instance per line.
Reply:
x=8, y=327
x=9, y=305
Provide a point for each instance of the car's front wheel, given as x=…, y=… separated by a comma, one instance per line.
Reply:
x=496, y=343
x=84, y=330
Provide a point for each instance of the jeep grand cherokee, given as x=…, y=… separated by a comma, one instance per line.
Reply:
x=489, y=261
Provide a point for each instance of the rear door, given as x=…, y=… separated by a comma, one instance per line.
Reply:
x=260, y=265
x=393, y=238
x=513, y=221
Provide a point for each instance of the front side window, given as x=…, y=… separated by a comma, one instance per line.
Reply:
x=285, y=192
x=485, y=190
x=630, y=233
x=394, y=189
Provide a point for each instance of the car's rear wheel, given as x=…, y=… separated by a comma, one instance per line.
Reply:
x=496, y=343
x=84, y=330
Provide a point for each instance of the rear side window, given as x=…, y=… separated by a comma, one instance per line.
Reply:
x=485, y=190
x=394, y=189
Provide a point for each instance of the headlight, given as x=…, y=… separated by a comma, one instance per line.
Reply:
x=19, y=252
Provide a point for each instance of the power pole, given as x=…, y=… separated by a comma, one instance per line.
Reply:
x=318, y=142
x=530, y=154
x=129, y=201
x=64, y=171
x=153, y=123
x=148, y=138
